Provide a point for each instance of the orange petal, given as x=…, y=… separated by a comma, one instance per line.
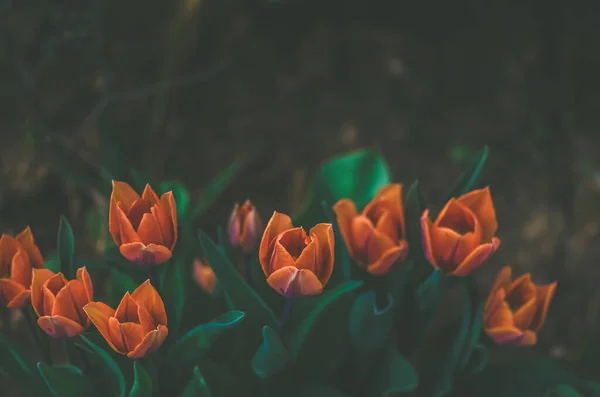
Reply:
x=544, y=297
x=204, y=276
x=149, y=230
x=8, y=249
x=133, y=334
x=377, y=246
x=127, y=232
x=480, y=202
x=25, y=238
x=84, y=277
x=295, y=283
x=504, y=335
x=70, y=301
x=361, y=230
x=39, y=277
x=99, y=314
x=127, y=310
x=277, y=224
x=345, y=212
x=251, y=228
x=502, y=317
x=116, y=336
x=394, y=255
x=152, y=341
x=234, y=226
x=121, y=192
x=388, y=200
x=323, y=233
x=20, y=270
x=280, y=258
x=146, y=296
x=140, y=254
x=529, y=338
x=476, y=258
x=59, y=327
x=495, y=301
x=523, y=315
x=19, y=300
x=502, y=281
x=426, y=227
x=9, y=290
x=169, y=207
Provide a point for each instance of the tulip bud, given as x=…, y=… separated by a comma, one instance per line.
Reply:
x=244, y=227
x=204, y=276
x=515, y=310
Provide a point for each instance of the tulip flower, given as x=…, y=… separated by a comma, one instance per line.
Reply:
x=462, y=237
x=204, y=276
x=144, y=228
x=59, y=303
x=296, y=264
x=515, y=311
x=245, y=227
x=138, y=326
x=18, y=256
x=375, y=238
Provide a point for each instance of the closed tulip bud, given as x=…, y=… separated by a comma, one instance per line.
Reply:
x=296, y=264
x=18, y=256
x=245, y=227
x=144, y=228
x=376, y=237
x=59, y=303
x=204, y=276
x=515, y=310
x=138, y=326
x=462, y=237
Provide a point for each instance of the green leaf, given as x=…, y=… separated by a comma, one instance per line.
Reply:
x=369, y=325
x=523, y=378
x=319, y=341
x=66, y=247
x=287, y=389
x=343, y=264
x=477, y=361
x=21, y=368
x=199, y=339
x=476, y=324
x=64, y=380
x=180, y=193
x=271, y=356
x=215, y=188
x=357, y=176
x=395, y=375
x=52, y=263
x=142, y=382
x=241, y=294
x=111, y=374
x=470, y=176
x=173, y=287
x=431, y=292
x=563, y=391
x=197, y=386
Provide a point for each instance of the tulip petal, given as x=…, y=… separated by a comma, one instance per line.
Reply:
x=544, y=297
x=476, y=258
x=20, y=270
x=146, y=296
x=116, y=336
x=69, y=302
x=388, y=226
x=501, y=317
x=145, y=255
x=345, y=211
x=149, y=230
x=133, y=334
x=127, y=310
x=288, y=246
x=19, y=300
x=295, y=283
x=278, y=223
x=393, y=255
x=234, y=226
x=323, y=233
x=523, y=315
x=529, y=338
x=362, y=231
x=169, y=207
x=204, y=276
x=502, y=282
x=99, y=314
x=127, y=232
x=504, y=335
x=123, y=193
x=480, y=202
x=9, y=290
x=59, y=327
x=84, y=277
x=25, y=238
x=39, y=278
x=8, y=249
x=521, y=291
x=388, y=200
x=426, y=226
x=152, y=341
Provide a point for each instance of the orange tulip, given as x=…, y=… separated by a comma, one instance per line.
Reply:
x=295, y=264
x=18, y=256
x=204, y=276
x=462, y=237
x=59, y=303
x=144, y=228
x=515, y=311
x=375, y=238
x=245, y=225
x=138, y=326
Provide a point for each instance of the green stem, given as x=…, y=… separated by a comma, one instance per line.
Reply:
x=286, y=313
x=84, y=359
x=65, y=348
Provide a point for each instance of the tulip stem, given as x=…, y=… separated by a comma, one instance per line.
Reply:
x=82, y=353
x=286, y=313
x=44, y=348
x=153, y=275
x=65, y=348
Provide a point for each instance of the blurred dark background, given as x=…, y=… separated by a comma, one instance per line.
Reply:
x=180, y=89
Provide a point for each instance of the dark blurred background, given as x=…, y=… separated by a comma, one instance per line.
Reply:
x=180, y=89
